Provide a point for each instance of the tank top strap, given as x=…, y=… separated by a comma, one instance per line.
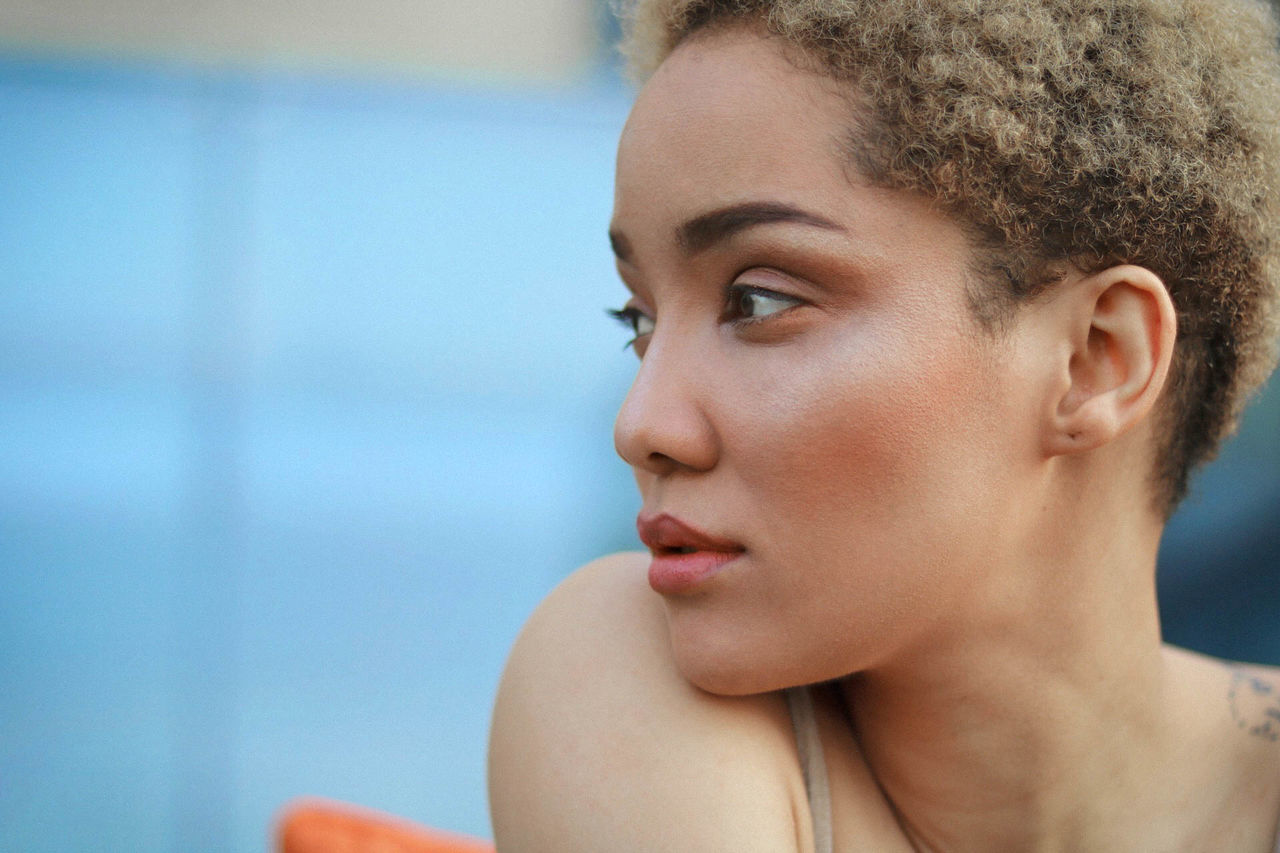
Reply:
x=813, y=764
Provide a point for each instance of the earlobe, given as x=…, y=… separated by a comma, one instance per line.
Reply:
x=1122, y=327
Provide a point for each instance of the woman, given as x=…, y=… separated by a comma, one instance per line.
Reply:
x=937, y=304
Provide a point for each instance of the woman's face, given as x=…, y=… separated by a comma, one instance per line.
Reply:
x=812, y=385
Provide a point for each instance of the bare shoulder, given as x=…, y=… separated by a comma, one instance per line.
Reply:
x=1249, y=693
x=1254, y=699
x=1245, y=699
x=599, y=743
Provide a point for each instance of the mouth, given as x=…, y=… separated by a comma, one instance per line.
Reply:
x=667, y=536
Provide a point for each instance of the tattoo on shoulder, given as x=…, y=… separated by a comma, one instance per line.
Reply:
x=1255, y=705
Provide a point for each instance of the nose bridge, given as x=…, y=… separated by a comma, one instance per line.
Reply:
x=665, y=421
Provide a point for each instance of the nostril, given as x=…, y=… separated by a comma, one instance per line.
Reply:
x=654, y=463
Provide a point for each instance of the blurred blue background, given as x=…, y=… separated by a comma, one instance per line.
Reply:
x=305, y=402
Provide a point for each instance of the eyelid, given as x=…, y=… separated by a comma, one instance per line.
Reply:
x=738, y=289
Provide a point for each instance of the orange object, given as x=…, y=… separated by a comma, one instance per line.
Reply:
x=322, y=826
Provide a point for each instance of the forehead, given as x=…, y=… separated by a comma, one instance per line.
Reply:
x=730, y=117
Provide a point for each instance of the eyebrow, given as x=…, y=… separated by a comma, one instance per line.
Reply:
x=621, y=245
x=706, y=230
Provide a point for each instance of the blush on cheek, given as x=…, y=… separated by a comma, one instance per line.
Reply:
x=855, y=440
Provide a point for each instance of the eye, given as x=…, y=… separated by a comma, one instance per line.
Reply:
x=633, y=318
x=750, y=304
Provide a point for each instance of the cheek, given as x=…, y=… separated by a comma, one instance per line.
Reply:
x=876, y=431
x=862, y=479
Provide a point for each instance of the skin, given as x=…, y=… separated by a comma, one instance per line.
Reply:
x=952, y=527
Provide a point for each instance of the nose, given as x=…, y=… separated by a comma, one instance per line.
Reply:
x=664, y=425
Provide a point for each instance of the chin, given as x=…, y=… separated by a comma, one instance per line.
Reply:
x=726, y=680
x=731, y=656
x=722, y=666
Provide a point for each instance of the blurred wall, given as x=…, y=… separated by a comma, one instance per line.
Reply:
x=302, y=400
x=305, y=396
x=305, y=392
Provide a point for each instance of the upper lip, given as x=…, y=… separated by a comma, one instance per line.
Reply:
x=663, y=533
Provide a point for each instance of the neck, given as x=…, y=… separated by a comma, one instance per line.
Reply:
x=1039, y=722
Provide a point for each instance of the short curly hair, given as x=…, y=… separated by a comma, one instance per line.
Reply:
x=1090, y=132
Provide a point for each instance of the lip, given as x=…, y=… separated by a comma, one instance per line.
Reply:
x=676, y=569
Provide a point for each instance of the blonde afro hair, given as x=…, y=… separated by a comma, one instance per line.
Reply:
x=1092, y=132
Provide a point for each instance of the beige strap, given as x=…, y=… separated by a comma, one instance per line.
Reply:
x=809, y=746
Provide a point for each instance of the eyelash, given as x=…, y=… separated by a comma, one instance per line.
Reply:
x=630, y=316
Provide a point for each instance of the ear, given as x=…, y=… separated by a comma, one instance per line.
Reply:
x=1122, y=326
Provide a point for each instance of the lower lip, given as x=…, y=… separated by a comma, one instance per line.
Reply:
x=672, y=574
